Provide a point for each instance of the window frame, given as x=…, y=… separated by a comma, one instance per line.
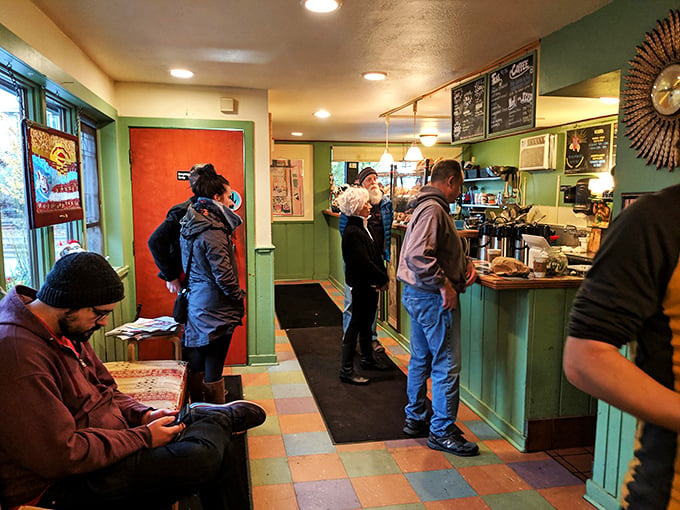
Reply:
x=37, y=98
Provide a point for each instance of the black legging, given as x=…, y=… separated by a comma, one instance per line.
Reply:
x=364, y=306
x=209, y=358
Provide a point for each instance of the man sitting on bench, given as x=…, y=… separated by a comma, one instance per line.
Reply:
x=70, y=439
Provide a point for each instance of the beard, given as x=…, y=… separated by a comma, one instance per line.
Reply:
x=74, y=334
x=375, y=194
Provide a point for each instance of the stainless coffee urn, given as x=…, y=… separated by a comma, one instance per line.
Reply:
x=521, y=249
x=485, y=240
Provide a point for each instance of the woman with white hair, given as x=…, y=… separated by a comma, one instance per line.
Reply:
x=366, y=274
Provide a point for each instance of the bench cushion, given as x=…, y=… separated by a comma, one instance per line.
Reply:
x=160, y=384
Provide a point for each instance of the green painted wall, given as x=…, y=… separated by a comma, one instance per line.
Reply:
x=541, y=186
x=302, y=251
x=602, y=42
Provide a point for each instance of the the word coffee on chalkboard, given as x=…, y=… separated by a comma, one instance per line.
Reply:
x=468, y=106
x=512, y=96
x=588, y=149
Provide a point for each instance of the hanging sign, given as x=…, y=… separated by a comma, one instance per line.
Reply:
x=512, y=96
x=468, y=106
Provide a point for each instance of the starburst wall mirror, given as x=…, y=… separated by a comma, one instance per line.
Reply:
x=651, y=96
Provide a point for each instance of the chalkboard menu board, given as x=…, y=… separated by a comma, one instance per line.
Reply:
x=468, y=105
x=588, y=150
x=512, y=96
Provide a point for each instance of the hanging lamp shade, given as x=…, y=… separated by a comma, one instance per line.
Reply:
x=386, y=160
x=428, y=139
x=413, y=153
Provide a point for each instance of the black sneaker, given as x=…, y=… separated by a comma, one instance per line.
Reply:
x=416, y=428
x=377, y=346
x=455, y=444
x=244, y=414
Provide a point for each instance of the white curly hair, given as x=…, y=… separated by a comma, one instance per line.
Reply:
x=352, y=200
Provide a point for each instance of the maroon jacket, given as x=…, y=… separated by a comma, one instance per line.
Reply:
x=61, y=414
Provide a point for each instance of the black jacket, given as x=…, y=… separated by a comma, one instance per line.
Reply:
x=164, y=243
x=363, y=263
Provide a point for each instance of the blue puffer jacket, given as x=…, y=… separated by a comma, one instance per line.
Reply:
x=216, y=304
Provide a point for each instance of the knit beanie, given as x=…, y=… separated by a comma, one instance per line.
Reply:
x=79, y=280
x=365, y=173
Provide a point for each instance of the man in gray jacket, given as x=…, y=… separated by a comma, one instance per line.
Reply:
x=434, y=269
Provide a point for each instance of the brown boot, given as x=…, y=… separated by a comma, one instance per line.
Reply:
x=214, y=391
x=196, y=386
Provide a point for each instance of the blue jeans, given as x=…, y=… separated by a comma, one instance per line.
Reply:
x=200, y=461
x=435, y=352
x=347, y=314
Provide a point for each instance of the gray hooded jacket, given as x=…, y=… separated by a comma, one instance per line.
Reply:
x=432, y=250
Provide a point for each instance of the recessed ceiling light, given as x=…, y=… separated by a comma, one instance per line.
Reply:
x=296, y=133
x=374, y=75
x=181, y=73
x=322, y=5
x=322, y=114
x=610, y=100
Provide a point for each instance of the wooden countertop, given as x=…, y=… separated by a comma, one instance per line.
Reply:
x=550, y=282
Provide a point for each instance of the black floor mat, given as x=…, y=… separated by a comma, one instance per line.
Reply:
x=305, y=305
x=232, y=384
x=353, y=414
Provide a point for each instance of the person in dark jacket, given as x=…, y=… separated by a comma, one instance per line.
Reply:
x=70, y=439
x=216, y=300
x=164, y=241
x=380, y=227
x=365, y=273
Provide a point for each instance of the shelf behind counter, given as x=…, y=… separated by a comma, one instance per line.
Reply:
x=466, y=233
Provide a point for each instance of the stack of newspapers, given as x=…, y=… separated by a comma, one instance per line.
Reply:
x=146, y=327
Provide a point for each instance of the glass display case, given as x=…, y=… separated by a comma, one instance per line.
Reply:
x=404, y=182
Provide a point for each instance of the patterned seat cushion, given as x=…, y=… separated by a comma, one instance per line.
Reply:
x=160, y=384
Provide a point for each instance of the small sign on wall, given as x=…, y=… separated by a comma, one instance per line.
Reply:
x=588, y=150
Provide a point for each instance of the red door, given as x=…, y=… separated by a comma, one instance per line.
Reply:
x=157, y=154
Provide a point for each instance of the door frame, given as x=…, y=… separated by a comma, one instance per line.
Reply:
x=125, y=236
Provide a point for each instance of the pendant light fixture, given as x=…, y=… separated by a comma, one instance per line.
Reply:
x=413, y=153
x=386, y=160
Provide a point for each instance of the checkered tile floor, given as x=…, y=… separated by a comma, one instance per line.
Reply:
x=295, y=465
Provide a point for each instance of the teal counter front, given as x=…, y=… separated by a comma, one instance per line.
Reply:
x=513, y=333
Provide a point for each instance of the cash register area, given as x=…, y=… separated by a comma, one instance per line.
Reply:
x=295, y=465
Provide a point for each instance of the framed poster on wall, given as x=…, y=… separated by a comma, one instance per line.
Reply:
x=304, y=171
x=588, y=150
x=52, y=175
x=287, y=187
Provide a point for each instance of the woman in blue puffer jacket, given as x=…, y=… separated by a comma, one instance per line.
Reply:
x=216, y=300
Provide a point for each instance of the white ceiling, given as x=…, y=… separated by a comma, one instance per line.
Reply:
x=309, y=61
